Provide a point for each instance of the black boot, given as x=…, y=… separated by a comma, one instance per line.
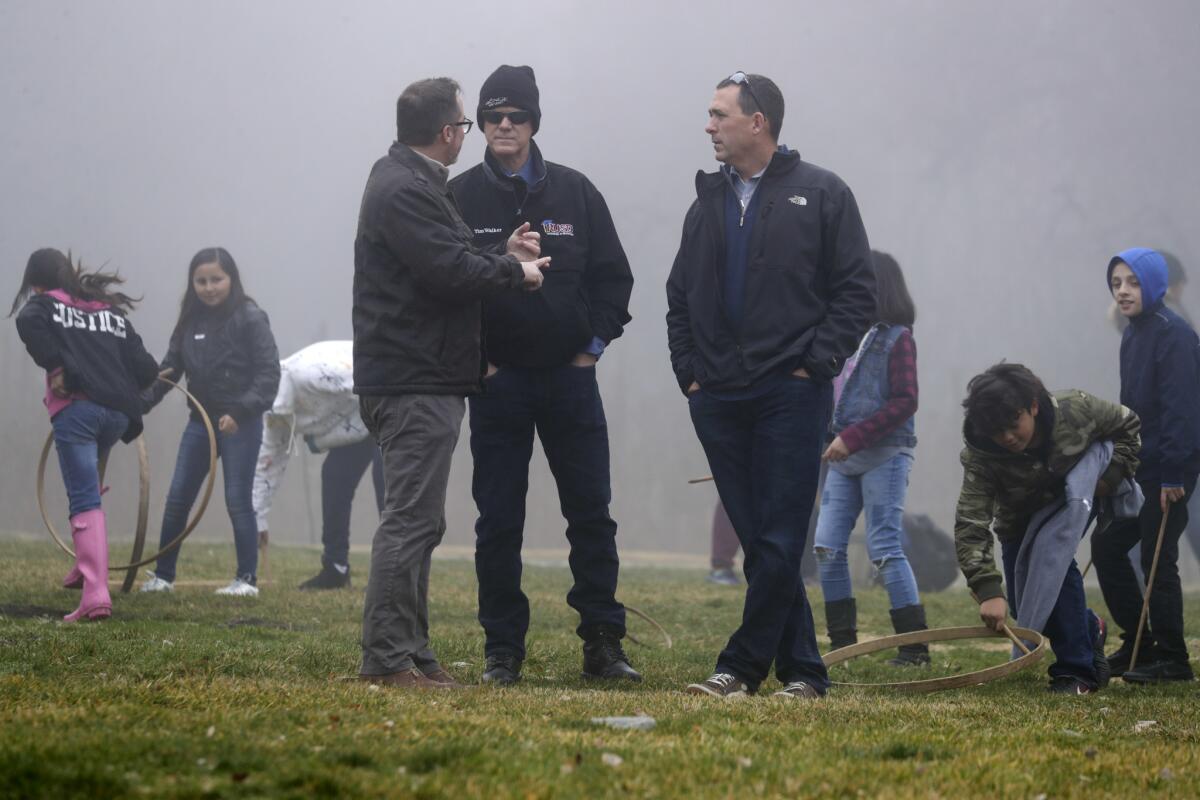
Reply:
x=841, y=619
x=502, y=669
x=330, y=577
x=907, y=620
x=603, y=656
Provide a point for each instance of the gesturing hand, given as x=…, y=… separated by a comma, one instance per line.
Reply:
x=524, y=243
x=533, y=272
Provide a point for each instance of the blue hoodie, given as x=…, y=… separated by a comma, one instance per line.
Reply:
x=1160, y=376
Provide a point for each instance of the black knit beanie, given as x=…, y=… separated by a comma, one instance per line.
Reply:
x=510, y=86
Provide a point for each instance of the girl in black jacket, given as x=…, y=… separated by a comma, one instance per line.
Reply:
x=223, y=344
x=73, y=325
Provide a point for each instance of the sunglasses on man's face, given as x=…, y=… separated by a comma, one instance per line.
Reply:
x=515, y=117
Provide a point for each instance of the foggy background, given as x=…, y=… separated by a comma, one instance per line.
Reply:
x=1002, y=152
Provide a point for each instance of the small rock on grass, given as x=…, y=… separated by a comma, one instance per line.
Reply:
x=1143, y=725
x=611, y=759
x=639, y=723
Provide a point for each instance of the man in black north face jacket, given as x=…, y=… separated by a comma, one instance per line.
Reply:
x=771, y=291
x=418, y=280
x=542, y=351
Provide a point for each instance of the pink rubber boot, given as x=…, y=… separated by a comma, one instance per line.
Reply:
x=91, y=559
x=74, y=578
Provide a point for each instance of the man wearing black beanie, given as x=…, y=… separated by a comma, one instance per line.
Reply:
x=541, y=352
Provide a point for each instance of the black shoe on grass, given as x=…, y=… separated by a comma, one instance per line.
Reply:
x=330, y=577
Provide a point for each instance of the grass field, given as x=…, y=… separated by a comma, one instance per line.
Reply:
x=192, y=695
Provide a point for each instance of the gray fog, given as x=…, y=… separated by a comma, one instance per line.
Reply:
x=1002, y=153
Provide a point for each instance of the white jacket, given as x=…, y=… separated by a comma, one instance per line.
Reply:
x=316, y=401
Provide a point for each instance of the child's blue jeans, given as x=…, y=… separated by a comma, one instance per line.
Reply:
x=83, y=432
x=879, y=493
x=239, y=455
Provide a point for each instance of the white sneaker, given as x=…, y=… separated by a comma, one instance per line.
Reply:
x=155, y=584
x=239, y=588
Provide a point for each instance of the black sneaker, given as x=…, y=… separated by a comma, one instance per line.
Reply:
x=1160, y=672
x=1066, y=684
x=604, y=658
x=330, y=577
x=1099, y=661
x=723, y=685
x=1118, y=660
x=502, y=669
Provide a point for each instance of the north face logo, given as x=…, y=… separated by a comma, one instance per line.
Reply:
x=798, y=199
x=492, y=102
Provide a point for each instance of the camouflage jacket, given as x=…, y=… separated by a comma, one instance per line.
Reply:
x=1001, y=491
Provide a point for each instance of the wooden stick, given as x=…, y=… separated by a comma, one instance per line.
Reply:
x=700, y=480
x=1137, y=640
x=1015, y=639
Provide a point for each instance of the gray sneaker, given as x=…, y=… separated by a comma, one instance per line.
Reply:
x=155, y=584
x=799, y=690
x=723, y=577
x=723, y=685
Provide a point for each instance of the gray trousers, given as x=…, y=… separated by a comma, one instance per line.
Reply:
x=417, y=435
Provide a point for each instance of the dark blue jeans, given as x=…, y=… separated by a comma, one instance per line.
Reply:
x=1163, y=638
x=563, y=405
x=341, y=472
x=83, y=433
x=765, y=455
x=239, y=456
x=1072, y=626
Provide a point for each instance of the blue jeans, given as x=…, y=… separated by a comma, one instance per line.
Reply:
x=83, y=433
x=563, y=405
x=765, y=455
x=880, y=493
x=1072, y=626
x=341, y=473
x=239, y=455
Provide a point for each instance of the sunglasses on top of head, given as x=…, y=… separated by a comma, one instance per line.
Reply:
x=515, y=117
x=742, y=79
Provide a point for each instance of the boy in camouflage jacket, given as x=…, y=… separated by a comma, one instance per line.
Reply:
x=1021, y=442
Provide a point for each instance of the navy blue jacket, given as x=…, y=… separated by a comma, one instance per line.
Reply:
x=1160, y=376
x=809, y=291
x=587, y=287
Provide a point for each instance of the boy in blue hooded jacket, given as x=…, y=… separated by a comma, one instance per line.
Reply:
x=1160, y=381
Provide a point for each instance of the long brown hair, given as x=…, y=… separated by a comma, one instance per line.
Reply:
x=51, y=269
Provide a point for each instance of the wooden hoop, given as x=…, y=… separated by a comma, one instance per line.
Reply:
x=941, y=635
x=143, y=497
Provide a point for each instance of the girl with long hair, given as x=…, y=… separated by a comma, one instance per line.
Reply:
x=223, y=344
x=73, y=324
x=869, y=461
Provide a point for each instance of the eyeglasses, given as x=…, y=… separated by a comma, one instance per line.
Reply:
x=742, y=79
x=497, y=117
x=465, y=124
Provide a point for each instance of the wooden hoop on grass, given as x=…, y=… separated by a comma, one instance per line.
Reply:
x=143, y=497
x=941, y=635
x=663, y=631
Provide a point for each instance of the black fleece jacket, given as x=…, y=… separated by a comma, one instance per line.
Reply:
x=418, y=280
x=810, y=286
x=588, y=283
x=97, y=349
x=230, y=360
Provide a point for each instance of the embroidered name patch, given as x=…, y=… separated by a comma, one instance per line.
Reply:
x=488, y=230
x=552, y=228
x=492, y=102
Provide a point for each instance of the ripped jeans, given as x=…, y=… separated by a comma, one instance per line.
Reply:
x=880, y=493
